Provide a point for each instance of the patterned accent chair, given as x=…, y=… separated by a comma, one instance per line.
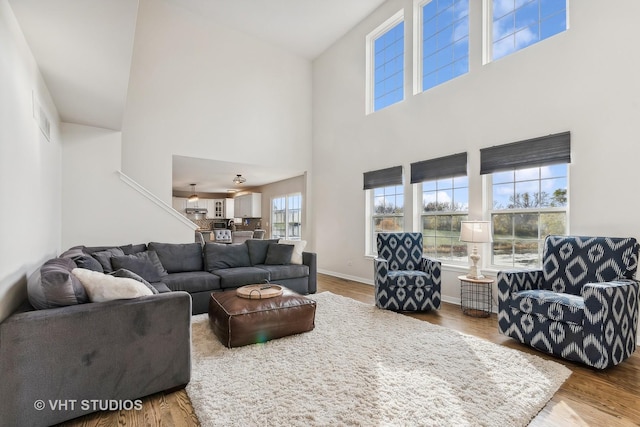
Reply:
x=582, y=305
x=405, y=280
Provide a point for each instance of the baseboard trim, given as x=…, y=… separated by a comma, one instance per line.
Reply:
x=346, y=276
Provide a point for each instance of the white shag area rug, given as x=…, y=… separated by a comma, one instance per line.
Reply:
x=367, y=367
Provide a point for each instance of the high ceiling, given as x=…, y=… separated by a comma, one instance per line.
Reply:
x=84, y=49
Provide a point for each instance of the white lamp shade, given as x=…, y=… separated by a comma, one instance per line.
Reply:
x=475, y=231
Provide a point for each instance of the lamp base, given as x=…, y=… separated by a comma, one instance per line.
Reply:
x=473, y=270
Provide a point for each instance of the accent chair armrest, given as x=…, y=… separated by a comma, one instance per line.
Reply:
x=610, y=322
x=510, y=281
x=433, y=268
x=380, y=270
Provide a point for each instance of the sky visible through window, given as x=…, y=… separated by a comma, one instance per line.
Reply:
x=520, y=23
x=389, y=67
x=445, y=41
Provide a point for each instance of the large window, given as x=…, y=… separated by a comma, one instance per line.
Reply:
x=443, y=29
x=517, y=24
x=385, y=204
x=286, y=219
x=443, y=189
x=529, y=193
x=385, y=64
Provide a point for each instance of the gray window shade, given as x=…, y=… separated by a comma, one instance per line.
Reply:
x=383, y=178
x=442, y=167
x=546, y=150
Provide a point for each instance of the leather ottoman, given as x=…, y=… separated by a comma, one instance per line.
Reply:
x=239, y=321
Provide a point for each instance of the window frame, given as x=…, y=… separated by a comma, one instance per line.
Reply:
x=489, y=187
x=370, y=39
x=418, y=51
x=370, y=245
x=287, y=210
x=487, y=32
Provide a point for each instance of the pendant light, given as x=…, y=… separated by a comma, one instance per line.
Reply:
x=193, y=197
x=239, y=179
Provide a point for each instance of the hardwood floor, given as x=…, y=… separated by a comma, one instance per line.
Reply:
x=588, y=398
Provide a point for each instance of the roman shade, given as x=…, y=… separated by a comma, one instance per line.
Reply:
x=542, y=151
x=442, y=167
x=383, y=178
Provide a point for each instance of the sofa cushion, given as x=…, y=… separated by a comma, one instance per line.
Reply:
x=73, y=252
x=53, y=285
x=145, y=264
x=299, y=245
x=192, y=281
x=221, y=255
x=134, y=249
x=258, y=250
x=179, y=257
x=555, y=306
x=407, y=278
x=123, y=272
x=240, y=276
x=104, y=257
x=278, y=254
x=103, y=287
x=161, y=287
x=290, y=271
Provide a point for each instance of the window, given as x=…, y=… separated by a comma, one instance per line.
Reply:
x=528, y=187
x=517, y=24
x=444, y=188
x=443, y=41
x=385, y=204
x=286, y=217
x=388, y=211
x=385, y=64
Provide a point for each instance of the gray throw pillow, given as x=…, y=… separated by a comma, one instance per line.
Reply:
x=53, y=285
x=145, y=264
x=88, y=262
x=104, y=257
x=258, y=249
x=122, y=272
x=220, y=255
x=278, y=254
x=179, y=257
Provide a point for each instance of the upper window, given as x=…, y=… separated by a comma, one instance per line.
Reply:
x=385, y=64
x=286, y=219
x=444, y=41
x=517, y=24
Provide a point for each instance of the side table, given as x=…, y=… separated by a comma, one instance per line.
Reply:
x=475, y=296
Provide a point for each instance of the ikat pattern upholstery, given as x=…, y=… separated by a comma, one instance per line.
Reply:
x=582, y=305
x=404, y=279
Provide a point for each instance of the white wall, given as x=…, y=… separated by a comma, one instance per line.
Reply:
x=584, y=81
x=201, y=90
x=29, y=167
x=98, y=207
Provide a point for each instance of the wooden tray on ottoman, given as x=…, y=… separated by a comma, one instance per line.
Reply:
x=240, y=321
x=262, y=291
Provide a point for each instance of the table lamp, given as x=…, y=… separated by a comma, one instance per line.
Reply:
x=475, y=232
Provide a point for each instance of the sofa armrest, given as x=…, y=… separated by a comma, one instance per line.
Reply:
x=610, y=324
x=310, y=259
x=510, y=281
x=116, y=350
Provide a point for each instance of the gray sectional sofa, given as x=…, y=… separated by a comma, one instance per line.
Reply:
x=83, y=355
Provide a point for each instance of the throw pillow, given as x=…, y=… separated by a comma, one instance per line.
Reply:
x=279, y=254
x=296, y=258
x=221, y=255
x=258, y=249
x=103, y=287
x=179, y=257
x=145, y=264
x=88, y=262
x=104, y=257
x=53, y=285
x=122, y=272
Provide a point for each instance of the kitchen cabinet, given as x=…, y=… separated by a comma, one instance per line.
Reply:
x=219, y=208
x=229, y=209
x=248, y=206
x=179, y=204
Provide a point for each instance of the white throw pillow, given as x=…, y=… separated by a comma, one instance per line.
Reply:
x=296, y=257
x=102, y=287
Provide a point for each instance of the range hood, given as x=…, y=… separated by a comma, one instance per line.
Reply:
x=196, y=211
